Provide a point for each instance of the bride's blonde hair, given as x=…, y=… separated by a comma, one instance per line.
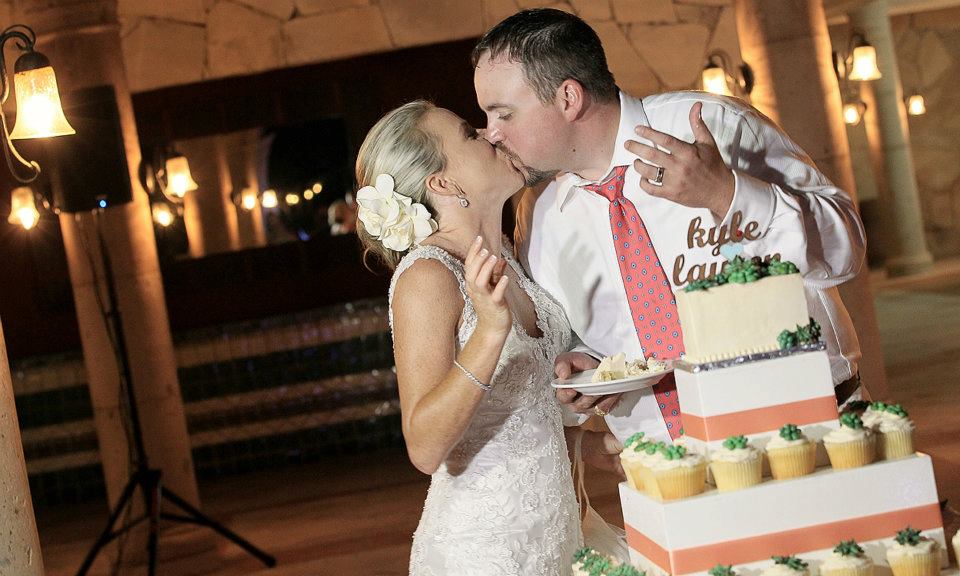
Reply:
x=398, y=145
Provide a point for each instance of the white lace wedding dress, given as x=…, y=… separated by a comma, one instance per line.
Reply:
x=503, y=502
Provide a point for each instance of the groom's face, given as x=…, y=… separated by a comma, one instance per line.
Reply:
x=516, y=118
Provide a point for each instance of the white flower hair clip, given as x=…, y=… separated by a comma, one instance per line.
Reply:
x=394, y=219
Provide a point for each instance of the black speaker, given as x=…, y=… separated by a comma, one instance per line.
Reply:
x=88, y=170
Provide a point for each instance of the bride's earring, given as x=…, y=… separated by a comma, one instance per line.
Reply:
x=460, y=196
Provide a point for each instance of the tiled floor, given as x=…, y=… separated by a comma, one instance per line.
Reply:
x=356, y=515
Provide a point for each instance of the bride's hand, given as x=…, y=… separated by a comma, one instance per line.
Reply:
x=487, y=287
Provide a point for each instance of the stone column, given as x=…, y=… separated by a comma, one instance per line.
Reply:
x=208, y=213
x=906, y=243
x=788, y=46
x=83, y=43
x=241, y=154
x=20, y=545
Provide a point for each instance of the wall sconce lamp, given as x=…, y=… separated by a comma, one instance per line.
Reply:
x=859, y=62
x=167, y=172
x=39, y=115
x=719, y=76
x=853, y=112
x=916, y=106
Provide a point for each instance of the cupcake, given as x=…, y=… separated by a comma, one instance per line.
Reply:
x=872, y=414
x=721, y=570
x=914, y=555
x=956, y=546
x=791, y=454
x=852, y=445
x=630, y=459
x=736, y=465
x=786, y=566
x=896, y=434
x=847, y=559
x=589, y=562
x=680, y=474
x=651, y=455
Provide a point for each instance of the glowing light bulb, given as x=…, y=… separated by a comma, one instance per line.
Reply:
x=269, y=199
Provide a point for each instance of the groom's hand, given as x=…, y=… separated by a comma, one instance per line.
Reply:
x=570, y=363
x=601, y=450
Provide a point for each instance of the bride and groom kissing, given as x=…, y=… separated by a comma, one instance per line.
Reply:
x=481, y=327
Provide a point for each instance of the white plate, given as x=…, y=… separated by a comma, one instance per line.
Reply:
x=582, y=384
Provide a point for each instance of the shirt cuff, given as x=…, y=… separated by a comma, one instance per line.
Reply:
x=755, y=200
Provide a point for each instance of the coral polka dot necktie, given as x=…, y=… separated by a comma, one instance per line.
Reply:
x=652, y=304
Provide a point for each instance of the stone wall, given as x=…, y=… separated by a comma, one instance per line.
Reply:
x=928, y=51
x=652, y=45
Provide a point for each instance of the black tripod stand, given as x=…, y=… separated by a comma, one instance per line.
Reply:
x=144, y=477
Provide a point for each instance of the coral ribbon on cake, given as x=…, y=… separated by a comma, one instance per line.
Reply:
x=757, y=420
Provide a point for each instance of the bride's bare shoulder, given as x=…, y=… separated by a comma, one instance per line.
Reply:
x=427, y=291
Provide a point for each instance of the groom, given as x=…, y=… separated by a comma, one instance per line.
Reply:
x=641, y=195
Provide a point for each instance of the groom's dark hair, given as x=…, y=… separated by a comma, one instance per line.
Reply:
x=552, y=46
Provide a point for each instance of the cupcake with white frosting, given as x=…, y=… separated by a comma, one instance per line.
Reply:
x=847, y=559
x=896, y=433
x=852, y=445
x=873, y=414
x=913, y=555
x=791, y=453
x=650, y=456
x=736, y=464
x=679, y=474
x=632, y=461
x=786, y=566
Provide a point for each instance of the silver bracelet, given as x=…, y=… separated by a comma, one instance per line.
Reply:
x=474, y=379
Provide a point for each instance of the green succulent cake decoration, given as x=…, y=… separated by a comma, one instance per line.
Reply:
x=896, y=409
x=721, y=570
x=654, y=447
x=790, y=432
x=673, y=452
x=791, y=562
x=809, y=334
x=848, y=548
x=735, y=443
x=851, y=420
x=908, y=537
x=634, y=439
x=856, y=406
x=582, y=553
x=625, y=570
x=878, y=406
x=778, y=268
x=742, y=270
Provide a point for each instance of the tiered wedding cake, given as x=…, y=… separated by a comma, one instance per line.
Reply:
x=755, y=373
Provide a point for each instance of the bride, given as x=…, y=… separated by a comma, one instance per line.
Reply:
x=474, y=343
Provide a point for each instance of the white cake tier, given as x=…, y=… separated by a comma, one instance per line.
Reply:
x=804, y=516
x=756, y=398
x=739, y=319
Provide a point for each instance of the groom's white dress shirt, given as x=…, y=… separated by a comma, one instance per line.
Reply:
x=781, y=202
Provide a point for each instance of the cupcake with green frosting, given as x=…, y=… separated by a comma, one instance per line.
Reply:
x=791, y=454
x=852, y=445
x=589, y=562
x=736, y=464
x=847, y=559
x=895, y=438
x=631, y=460
x=913, y=555
x=679, y=474
x=787, y=566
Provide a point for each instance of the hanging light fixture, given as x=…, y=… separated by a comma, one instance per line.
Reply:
x=166, y=173
x=23, y=208
x=720, y=77
x=39, y=113
x=163, y=214
x=179, y=179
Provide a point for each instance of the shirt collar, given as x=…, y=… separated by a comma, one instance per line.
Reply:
x=631, y=115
